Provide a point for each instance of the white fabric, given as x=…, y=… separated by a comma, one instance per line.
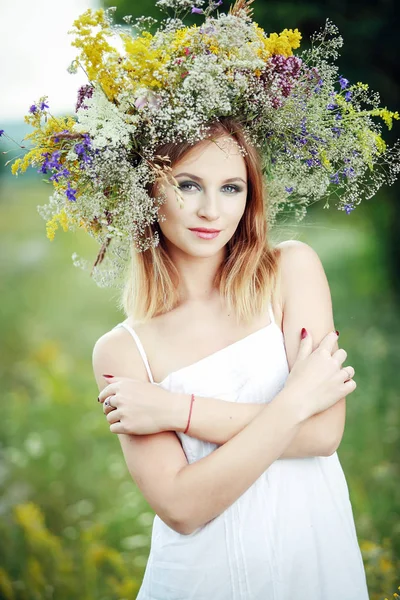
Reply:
x=290, y=535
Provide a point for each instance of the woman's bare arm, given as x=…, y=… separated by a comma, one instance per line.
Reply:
x=217, y=421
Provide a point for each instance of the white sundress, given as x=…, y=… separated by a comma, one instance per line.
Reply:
x=290, y=536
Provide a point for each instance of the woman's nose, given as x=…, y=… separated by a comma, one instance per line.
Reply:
x=209, y=206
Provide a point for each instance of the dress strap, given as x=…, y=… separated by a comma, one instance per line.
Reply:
x=140, y=347
x=271, y=312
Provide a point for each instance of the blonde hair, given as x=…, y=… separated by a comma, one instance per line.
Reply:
x=246, y=277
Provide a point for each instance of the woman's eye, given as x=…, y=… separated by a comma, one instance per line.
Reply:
x=183, y=186
x=187, y=185
x=234, y=188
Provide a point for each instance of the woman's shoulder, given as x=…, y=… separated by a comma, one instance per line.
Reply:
x=114, y=352
x=295, y=253
x=299, y=265
x=295, y=257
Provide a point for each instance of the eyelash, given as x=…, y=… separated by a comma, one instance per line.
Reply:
x=187, y=183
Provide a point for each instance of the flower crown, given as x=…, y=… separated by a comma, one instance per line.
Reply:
x=315, y=132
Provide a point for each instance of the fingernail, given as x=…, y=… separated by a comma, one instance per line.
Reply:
x=98, y=399
x=108, y=375
x=337, y=333
x=303, y=333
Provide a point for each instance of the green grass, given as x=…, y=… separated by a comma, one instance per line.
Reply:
x=72, y=522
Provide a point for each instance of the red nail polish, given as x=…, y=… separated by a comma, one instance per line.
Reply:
x=303, y=333
x=108, y=375
x=337, y=333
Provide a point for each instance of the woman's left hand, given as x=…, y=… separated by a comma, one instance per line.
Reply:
x=136, y=407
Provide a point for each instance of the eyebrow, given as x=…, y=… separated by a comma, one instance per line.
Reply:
x=200, y=179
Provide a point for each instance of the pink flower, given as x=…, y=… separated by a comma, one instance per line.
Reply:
x=140, y=102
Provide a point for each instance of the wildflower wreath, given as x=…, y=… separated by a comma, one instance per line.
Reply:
x=315, y=131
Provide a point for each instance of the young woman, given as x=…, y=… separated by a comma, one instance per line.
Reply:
x=227, y=392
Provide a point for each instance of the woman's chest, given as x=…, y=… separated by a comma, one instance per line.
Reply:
x=172, y=348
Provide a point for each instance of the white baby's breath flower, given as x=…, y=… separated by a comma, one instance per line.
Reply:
x=104, y=122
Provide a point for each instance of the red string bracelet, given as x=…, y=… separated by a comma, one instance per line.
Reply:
x=190, y=413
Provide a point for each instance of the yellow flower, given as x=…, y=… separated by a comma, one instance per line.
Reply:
x=367, y=145
x=361, y=86
x=386, y=115
x=385, y=565
x=15, y=166
x=31, y=519
x=125, y=588
x=283, y=43
x=182, y=38
x=325, y=161
x=99, y=58
x=380, y=144
x=144, y=65
x=60, y=218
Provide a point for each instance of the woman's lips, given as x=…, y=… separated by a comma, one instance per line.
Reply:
x=206, y=235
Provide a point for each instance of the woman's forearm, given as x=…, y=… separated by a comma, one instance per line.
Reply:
x=207, y=487
x=217, y=421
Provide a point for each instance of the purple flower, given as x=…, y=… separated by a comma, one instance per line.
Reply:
x=43, y=105
x=33, y=108
x=289, y=190
x=331, y=106
x=348, y=208
x=309, y=162
x=50, y=162
x=343, y=82
x=198, y=11
x=349, y=172
x=334, y=178
x=318, y=139
x=85, y=91
x=81, y=150
x=348, y=96
x=338, y=117
x=318, y=87
x=1, y=132
x=55, y=177
x=336, y=131
x=70, y=193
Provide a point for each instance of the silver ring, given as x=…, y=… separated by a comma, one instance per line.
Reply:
x=107, y=402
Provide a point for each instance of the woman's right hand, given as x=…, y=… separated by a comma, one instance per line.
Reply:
x=317, y=379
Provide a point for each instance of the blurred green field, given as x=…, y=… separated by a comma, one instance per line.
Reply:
x=72, y=523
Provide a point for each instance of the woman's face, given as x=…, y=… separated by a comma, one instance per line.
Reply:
x=212, y=179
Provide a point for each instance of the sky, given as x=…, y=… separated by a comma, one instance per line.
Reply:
x=35, y=51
